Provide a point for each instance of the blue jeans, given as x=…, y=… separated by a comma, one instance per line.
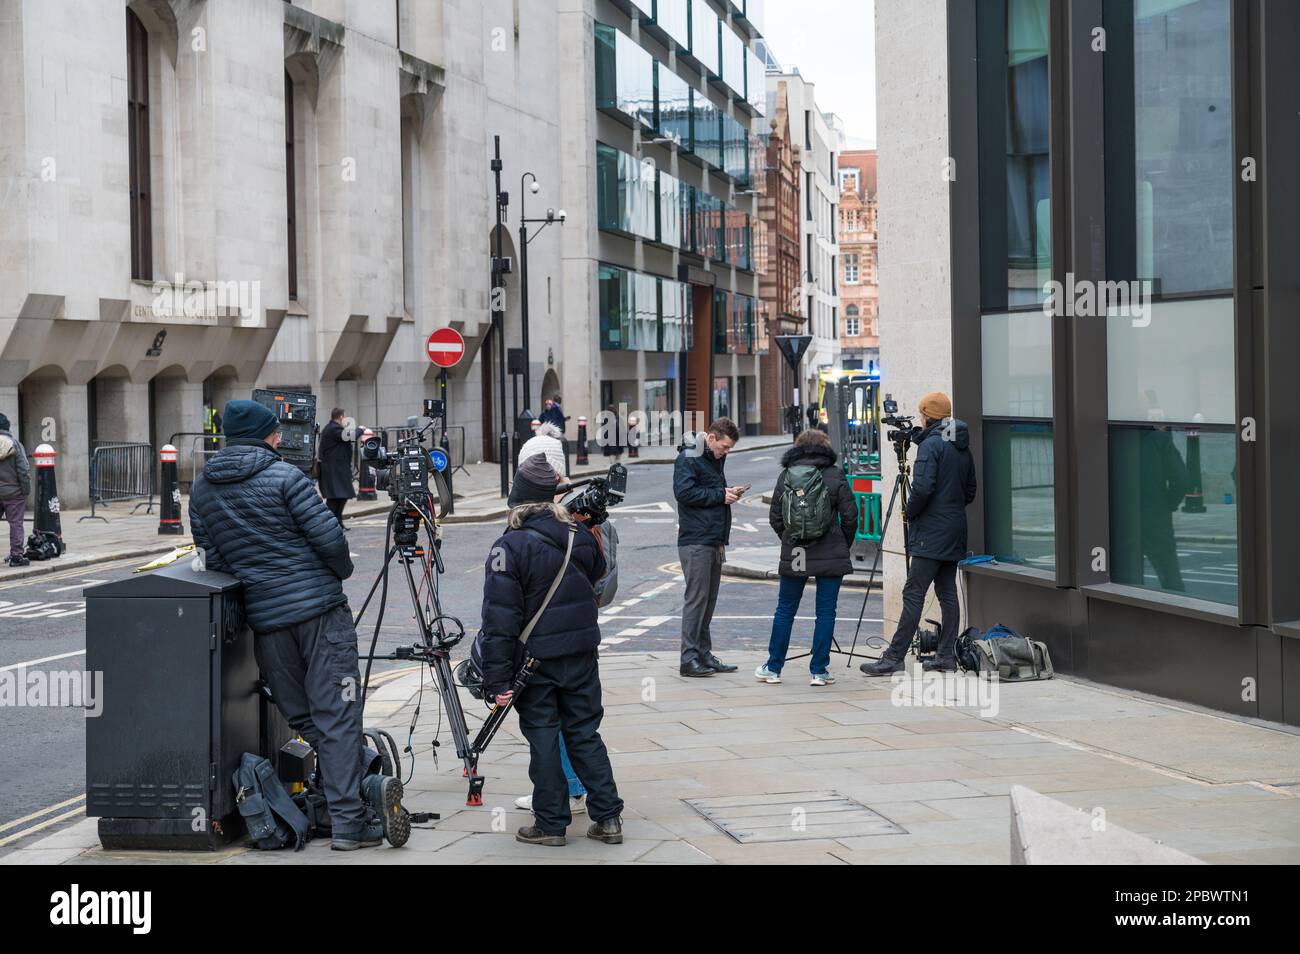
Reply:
x=787, y=605
x=575, y=787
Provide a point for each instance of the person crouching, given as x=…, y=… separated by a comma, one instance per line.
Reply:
x=563, y=694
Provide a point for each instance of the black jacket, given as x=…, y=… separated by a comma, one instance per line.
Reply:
x=700, y=487
x=943, y=484
x=260, y=519
x=519, y=570
x=828, y=555
x=335, y=463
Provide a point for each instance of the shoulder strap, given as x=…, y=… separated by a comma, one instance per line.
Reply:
x=555, y=585
x=281, y=804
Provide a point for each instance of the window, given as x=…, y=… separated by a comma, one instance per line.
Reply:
x=673, y=17
x=706, y=36
x=852, y=323
x=626, y=200
x=1173, y=510
x=1015, y=207
x=673, y=107
x=1019, y=519
x=629, y=310
x=137, y=112
x=851, y=269
x=289, y=185
x=1169, y=166
x=707, y=130
x=625, y=78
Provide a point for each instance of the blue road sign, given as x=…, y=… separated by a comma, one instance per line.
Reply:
x=438, y=458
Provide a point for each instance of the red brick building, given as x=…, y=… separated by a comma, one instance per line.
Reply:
x=859, y=288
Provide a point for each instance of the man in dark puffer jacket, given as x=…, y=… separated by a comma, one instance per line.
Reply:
x=259, y=518
x=563, y=693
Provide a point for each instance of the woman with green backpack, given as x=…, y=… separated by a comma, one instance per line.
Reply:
x=816, y=517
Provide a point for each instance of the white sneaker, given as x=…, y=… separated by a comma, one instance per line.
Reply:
x=577, y=804
x=763, y=674
x=821, y=679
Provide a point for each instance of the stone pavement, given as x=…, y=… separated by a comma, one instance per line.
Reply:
x=860, y=772
x=128, y=532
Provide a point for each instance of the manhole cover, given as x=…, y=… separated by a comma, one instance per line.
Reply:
x=792, y=816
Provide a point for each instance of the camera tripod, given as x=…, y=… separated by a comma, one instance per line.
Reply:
x=439, y=631
x=899, y=492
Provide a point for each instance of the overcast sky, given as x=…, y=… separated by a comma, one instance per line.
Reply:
x=833, y=44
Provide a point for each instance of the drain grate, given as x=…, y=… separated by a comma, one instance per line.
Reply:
x=792, y=816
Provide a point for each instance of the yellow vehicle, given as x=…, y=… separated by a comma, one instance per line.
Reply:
x=849, y=410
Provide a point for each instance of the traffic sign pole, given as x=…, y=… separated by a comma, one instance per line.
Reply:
x=445, y=348
x=793, y=348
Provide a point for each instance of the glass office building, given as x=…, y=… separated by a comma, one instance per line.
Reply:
x=1124, y=311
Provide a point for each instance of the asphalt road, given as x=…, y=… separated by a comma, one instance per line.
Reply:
x=42, y=749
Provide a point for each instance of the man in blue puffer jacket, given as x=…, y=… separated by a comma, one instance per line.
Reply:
x=260, y=519
x=563, y=694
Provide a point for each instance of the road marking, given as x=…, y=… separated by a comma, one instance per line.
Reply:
x=656, y=519
x=746, y=527
x=612, y=641
x=613, y=609
x=757, y=460
x=633, y=601
x=39, y=610
x=661, y=506
x=45, y=824
x=632, y=632
x=75, y=586
x=652, y=621
x=44, y=811
x=37, y=662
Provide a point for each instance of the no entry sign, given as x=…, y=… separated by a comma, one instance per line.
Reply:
x=446, y=347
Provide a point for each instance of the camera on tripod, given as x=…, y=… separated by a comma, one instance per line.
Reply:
x=904, y=423
x=599, y=495
x=404, y=472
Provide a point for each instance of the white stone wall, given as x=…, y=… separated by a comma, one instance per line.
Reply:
x=915, y=236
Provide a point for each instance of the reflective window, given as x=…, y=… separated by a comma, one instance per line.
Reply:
x=625, y=77
x=673, y=106
x=625, y=193
x=1019, y=519
x=675, y=303
x=733, y=60
x=707, y=130
x=755, y=82
x=687, y=241
x=1169, y=166
x=1173, y=510
x=735, y=149
x=668, y=227
x=1015, y=209
x=672, y=16
x=704, y=35
x=629, y=310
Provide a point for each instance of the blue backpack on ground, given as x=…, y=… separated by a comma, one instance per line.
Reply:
x=1000, y=649
x=272, y=818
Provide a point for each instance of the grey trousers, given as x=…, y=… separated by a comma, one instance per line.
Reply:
x=702, y=569
x=312, y=670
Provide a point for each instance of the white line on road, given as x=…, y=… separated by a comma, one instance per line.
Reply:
x=632, y=632
x=75, y=586
x=37, y=662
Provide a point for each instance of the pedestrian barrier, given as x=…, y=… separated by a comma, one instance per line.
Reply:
x=185, y=464
x=121, y=470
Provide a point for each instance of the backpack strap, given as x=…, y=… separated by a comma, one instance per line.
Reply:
x=281, y=805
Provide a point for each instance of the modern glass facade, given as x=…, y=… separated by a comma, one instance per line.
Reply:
x=1019, y=522
x=673, y=18
x=625, y=78
x=640, y=312
x=705, y=33
x=735, y=324
x=735, y=149
x=673, y=107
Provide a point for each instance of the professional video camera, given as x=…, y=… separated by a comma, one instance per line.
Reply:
x=405, y=471
x=601, y=493
x=905, y=424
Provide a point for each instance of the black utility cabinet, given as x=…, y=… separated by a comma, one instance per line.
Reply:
x=180, y=705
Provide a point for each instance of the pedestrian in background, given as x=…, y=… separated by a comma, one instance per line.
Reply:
x=821, y=551
x=703, y=531
x=335, y=455
x=15, y=485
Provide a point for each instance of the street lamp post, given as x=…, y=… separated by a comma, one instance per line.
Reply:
x=524, y=221
x=499, y=316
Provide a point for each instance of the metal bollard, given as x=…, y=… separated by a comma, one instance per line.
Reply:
x=366, y=473
x=169, y=521
x=47, y=530
x=445, y=443
x=582, y=441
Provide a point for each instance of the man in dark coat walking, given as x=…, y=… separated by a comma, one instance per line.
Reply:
x=563, y=695
x=943, y=485
x=258, y=518
x=335, y=453
x=825, y=558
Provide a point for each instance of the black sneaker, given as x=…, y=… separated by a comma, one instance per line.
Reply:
x=939, y=665
x=18, y=561
x=532, y=835
x=383, y=794
x=610, y=831
x=882, y=667
x=372, y=836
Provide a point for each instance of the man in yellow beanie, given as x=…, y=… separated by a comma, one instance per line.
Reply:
x=943, y=484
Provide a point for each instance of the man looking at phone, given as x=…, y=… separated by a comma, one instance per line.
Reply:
x=703, y=531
